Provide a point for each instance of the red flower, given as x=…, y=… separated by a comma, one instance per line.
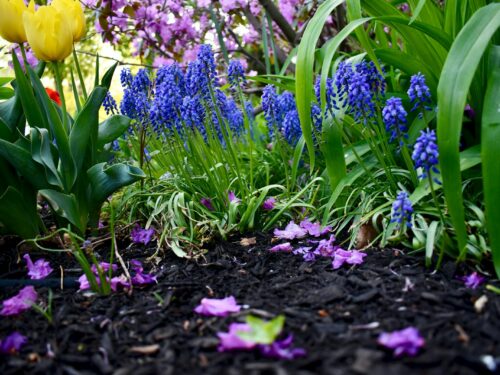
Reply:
x=54, y=95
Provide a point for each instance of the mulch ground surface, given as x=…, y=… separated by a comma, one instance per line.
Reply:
x=336, y=315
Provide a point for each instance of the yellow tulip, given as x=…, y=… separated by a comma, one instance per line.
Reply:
x=11, y=20
x=49, y=33
x=73, y=11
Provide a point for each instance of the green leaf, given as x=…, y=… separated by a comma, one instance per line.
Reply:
x=83, y=134
x=22, y=161
x=105, y=181
x=6, y=93
x=66, y=205
x=112, y=128
x=32, y=111
x=108, y=76
x=305, y=70
x=42, y=153
x=263, y=332
x=5, y=132
x=490, y=153
x=18, y=213
x=456, y=78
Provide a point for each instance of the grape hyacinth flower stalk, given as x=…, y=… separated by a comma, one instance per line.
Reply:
x=426, y=157
x=419, y=93
x=402, y=210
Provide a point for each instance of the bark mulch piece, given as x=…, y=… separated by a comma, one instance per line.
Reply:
x=335, y=315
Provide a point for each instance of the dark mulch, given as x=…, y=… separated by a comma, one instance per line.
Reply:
x=335, y=315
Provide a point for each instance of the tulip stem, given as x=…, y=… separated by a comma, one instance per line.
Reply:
x=80, y=75
x=23, y=53
x=57, y=73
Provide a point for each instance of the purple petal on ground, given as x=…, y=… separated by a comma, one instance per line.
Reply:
x=119, y=281
x=340, y=257
x=39, y=270
x=282, y=349
x=356, y=257
x=20, y=302
x=314, y=229
x=231, y=341
x=286, y=247
x=302, y=250
x=217, y=307
x=12, y=343
x=309, y=257
x=326, y=248
x=143, y=279
x=291, y=231
x=207, y=202
x=104, y=266
x=141, y=235
x=406, y=341
x=473, y=280
x=84, y=282
x=268, y=204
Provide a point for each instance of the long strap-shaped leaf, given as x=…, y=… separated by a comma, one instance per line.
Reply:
x=305, y=70
x=456, y=78
x=490, y=139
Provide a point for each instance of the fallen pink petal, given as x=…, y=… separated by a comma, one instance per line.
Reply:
x=282, y=349
x=142, y=235
x=218, y=307
x=473, y=281
x=269, y=204
x=20, y=302
x=342, y=256
x=12, y=343
x=407, y=341
x=292, y=231
x=38, y=270
x=230, y=340
x=314, y=229
x=285, y=247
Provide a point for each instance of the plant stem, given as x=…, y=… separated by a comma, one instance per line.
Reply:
x=58, y=76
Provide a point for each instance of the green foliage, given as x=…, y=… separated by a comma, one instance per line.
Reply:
x=62, y=158
x=263, y=332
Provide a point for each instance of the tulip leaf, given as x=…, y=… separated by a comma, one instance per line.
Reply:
x=105, y=181
x=21, y=160
x=42, y=153
x=6, y=93
x=108, y=76
x=31, y=110
x=112, y=128
x=66, y=205
x=5, y=132
x=18, y=213
x=11, y=111
x=85, y=128
x=57, y=131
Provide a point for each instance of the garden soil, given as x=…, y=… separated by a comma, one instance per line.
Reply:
x=335, y=315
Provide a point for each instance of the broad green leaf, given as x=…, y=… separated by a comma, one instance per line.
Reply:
x=490, y=153
x=108, y=76
x=112, y=128
x=42, y=153
x=18, y=213
x=22, y=161
x=305, y=70
x=83, y=134
x=105, y=181
x=66, y=205
x=263, y=332
x=456, y=78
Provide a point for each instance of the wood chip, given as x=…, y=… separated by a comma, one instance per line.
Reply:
x=248, y=241
x=147, y=349
x=462, y=335
x=480, y=304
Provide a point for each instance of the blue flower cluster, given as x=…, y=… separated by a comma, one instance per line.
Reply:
x=402, y=209
x=236, y=74
x=109, y=104
x=425, y=154
x=330, y=102
x=418, y=92
x=280, y=112
x=180, y=101
x=359, y=87
x=394, y=116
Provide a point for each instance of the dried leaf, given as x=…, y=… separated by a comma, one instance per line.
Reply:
x=147, y=349
x=248, y=241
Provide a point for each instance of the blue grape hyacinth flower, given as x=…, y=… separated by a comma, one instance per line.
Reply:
x=419, y=92
x=394, y=116
x=236, y=74
x=426, y=154
x=402, y=210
